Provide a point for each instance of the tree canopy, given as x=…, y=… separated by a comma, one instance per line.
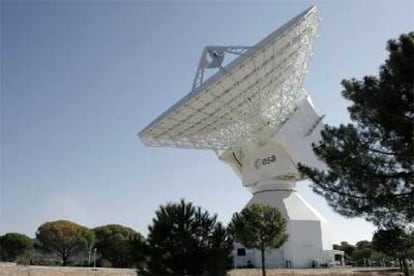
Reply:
x=347, y=248
x=13, y=245
x=259, y=226
x=185, y=240
x=371, y=161
x=394, y=242
x=118, y=244
x=64, y=238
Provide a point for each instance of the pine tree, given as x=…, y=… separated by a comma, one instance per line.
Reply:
x=371, y=161
x=185, y=240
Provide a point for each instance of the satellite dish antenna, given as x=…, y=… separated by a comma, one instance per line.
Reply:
x=257, y=117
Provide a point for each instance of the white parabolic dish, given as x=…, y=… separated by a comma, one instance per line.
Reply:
x=251, y=96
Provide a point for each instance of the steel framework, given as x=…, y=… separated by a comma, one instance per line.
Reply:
x=250, y=97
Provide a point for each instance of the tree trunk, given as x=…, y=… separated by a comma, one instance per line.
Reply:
x=262, y=251
x=64, y=259
x=405, y=266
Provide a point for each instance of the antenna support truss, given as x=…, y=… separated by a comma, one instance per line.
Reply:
x=212, y=57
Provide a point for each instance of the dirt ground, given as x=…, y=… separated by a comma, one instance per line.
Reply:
x=19, y=270
x=327, y=271
x=11, y=269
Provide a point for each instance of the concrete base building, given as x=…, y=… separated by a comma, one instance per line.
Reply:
x=268, y=168
x=309, y=243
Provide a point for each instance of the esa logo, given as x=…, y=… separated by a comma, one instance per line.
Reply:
x=264, y=161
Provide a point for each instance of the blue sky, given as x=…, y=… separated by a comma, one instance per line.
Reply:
x=79, y=79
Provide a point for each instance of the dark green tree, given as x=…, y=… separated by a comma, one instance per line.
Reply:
x=394, y=242
x=371, y=161
x=363, y=251
x=347, y=248
x=360, y=256
x=64, y=238
x=259, y=226
x=381, y=258
x=219, y=258
x=118, y=244
x=185, y=240
x=363, y=244
x=14, y=245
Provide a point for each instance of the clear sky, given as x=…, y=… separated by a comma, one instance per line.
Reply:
x=79, y=79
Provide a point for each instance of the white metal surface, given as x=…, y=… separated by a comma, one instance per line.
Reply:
x=309, y=234
x=254, y=94
x=268, y=168
x=255, y=113
x=290, y=145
